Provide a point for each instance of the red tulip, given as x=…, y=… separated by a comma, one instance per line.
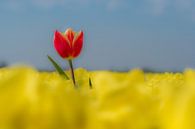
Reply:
x=68, y=44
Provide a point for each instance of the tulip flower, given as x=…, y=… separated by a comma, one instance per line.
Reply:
x=69, y=45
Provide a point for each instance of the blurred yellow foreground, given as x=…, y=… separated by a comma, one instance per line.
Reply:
x=133, y=100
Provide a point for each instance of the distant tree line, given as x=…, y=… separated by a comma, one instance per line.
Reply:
x=3, y=64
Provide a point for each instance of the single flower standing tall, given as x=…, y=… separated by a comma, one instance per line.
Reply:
x=69, y=45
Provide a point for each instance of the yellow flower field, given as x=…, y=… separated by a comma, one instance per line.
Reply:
x=133, y=100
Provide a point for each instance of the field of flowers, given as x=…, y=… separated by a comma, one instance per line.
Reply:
x=132, y=100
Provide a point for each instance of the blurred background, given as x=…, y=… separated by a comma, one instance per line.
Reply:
x=157, y=35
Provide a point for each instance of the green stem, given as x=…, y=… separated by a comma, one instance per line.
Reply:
x=72, y=72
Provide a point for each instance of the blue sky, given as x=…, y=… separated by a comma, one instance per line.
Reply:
x=119, y=34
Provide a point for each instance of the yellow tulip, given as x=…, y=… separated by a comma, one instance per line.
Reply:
x=130, y=100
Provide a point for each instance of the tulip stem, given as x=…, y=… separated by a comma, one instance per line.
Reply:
x=72, y=72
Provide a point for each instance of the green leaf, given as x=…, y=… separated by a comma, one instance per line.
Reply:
x=58, y=68
x=90, y=83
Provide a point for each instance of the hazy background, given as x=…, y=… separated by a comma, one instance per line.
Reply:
x=119, y=34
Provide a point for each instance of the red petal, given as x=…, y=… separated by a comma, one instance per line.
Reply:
x=77, y=44
x=70, y=35
x=61, y=45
